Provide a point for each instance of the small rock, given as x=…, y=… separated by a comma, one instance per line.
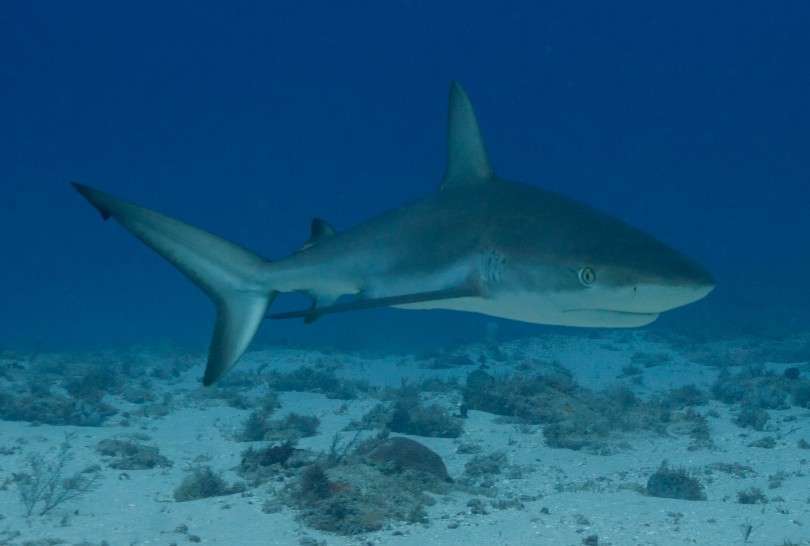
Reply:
x=398, y=453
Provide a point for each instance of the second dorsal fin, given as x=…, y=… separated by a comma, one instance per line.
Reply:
x=319, y=230
x=467, y=161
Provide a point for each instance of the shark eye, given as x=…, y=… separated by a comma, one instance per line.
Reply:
x=587, y=276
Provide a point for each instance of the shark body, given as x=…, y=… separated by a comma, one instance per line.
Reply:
x=480, y=244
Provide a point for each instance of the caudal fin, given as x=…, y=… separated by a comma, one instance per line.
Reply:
x=229, y=274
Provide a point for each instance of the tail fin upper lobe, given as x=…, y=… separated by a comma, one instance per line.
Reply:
x=229, y=274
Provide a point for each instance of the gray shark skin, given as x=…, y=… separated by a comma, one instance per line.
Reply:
x=479, y=244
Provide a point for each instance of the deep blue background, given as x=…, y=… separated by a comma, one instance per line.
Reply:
x=689, y=120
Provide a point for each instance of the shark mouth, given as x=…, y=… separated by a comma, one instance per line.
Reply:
x=607, y=318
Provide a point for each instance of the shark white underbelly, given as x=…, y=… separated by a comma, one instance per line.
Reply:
x=534, y=308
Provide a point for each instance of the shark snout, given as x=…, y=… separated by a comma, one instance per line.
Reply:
x=692, y=283
x=667, y=290
x=657, y=298
x=667, y=280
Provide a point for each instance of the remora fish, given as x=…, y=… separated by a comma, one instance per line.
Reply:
x=480, y=244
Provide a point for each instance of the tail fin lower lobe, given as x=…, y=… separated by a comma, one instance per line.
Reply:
x=228, y=273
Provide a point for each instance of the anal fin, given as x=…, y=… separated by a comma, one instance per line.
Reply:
x=318, y=302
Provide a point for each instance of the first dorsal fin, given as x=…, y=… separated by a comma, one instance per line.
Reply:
x=319, y=230
x=467, y=161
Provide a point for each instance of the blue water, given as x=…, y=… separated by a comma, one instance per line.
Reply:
x=689, y=120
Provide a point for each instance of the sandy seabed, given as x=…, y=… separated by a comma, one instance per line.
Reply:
x=558, y=496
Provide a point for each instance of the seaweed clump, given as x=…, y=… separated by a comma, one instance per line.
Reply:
x=483, y=471
x=684, y=397
x=485, y=465
x=314, y=484
x=202, y=483
x=674, y=483
x=383, y=480
x=42, y=406
x=534, y=398
x=309, y=379
x=294, y=426
x=129, y=455
x=256, y=425
x=758, y=387
x=752, y=417
x=94, y=383
x=752, y=495
x=408, y=415
x=573, y=417
x=264, y=464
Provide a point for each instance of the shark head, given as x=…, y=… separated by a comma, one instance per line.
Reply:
x=561, y=261
x=592, y=269
x=606, y=290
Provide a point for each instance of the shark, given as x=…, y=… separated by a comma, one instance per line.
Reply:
x=479, y=244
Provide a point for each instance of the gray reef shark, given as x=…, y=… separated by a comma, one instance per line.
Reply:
x=480, y=244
